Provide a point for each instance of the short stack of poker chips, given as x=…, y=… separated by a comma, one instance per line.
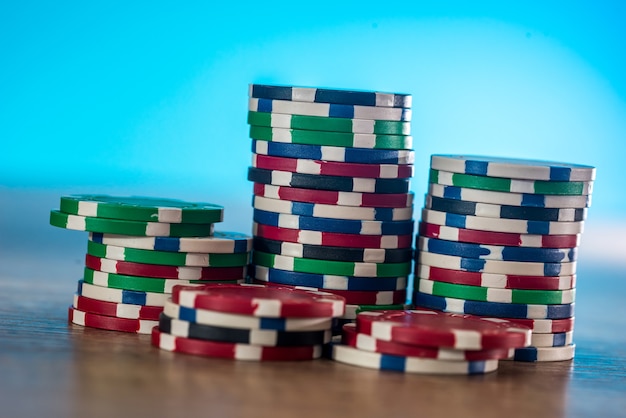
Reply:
x=247, y=322
x=498, y=238
x=429, y=342
x=332, y=206
x=139, y=249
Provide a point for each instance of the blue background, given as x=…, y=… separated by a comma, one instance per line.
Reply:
x=150, y=98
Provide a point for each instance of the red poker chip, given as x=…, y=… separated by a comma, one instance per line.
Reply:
x=233, y=351
x=259, y=300
x=546, y=326
x=365, y=342
x=441, y=329
x=110, y=323
x=119, y=310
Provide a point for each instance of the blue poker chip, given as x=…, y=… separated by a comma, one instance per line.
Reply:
x=343, y=226
x=495, y=252
x=220, y=242
x=493, y=309
x=323, y=281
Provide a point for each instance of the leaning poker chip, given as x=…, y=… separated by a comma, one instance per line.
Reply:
x=332, y=211
x=371, y=360
x=440, y=329
x=257, y=300
x=219, y=242
x=232, y=351
x=511, y=199
x=331, y=96
x=489, y=210
x=329, y=110
x=334, y=139
x=343, y=226
x=516, y=226
x=450, y=233
x=497, y=281
x=337, y=183
x=261, y=337
x=560, y=339
x=340, y=268
x=500, y=184
x=493, y=309
x=487, y=294
x=538, y=354
x=512, y=168
x=166, y=258
x=522, y=268
x=119, y=310
x=321, y=252
x=329, y=124
x=115, y=226
x=354, y=297
x=365, y=342
x=331, y=168
x=496, y=252
x=130, y=297
x=111, y=323
x=326, y=281
x=165, y=272
x=546, y=326
x=329, y=197
x=221, y=319
x=332, y=239
x=149, y=209
x=331, y=153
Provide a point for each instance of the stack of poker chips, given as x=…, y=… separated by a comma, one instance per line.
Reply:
x=247, y=322
x=332, y=206
x=139, y=249
x=498, y=238
x=426, y=341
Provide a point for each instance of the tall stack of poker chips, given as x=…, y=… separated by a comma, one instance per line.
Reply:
x=332, y=206
x=498, y=238
x=139, y=249
x=247, y=322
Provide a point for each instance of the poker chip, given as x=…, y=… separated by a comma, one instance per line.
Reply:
x=331, y=96
x=116, y=226
x=510, y=185
x=119, y=310
x=319, y=182
x=552, y=340
x=331, y=168
x=540, y=354
x=329, y=197
x=331, y=153
x=495, y=252
x=438, y=329
x=233, y=351
x=492, y=280
x=353, y=310
x=546, y=326
x=333, y=110
x=513, y=168
x=341, y=226
x=92, y=320
x=141, y=209
x=355, y=357
x=131, y=297
x=260, y=337
x=113, y=252
x=367, y=255
x=219, y=242
x=332, y=211
x=365, y=342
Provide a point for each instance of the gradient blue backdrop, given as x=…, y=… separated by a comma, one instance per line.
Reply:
x=150, y=98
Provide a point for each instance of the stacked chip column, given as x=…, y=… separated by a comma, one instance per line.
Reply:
x=499, y=238
x=139, y=249
x=332, y=201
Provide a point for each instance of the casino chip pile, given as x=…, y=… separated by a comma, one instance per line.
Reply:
x=498, y=238
x=247, y=322
x=332, y=206
x=139, y=249
x=425, y=341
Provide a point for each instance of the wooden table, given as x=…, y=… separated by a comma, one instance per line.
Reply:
x=51, y=369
